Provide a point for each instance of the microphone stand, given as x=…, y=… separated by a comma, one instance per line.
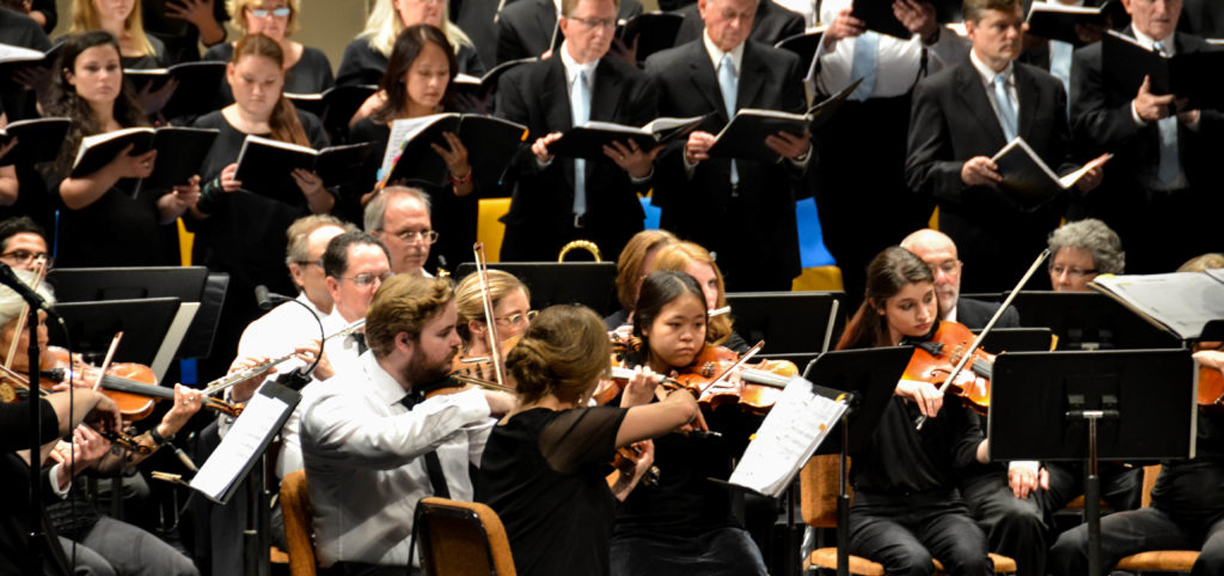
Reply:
x=38, y=537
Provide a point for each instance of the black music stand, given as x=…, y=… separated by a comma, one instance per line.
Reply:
x=869, y=378
x=1085, y=406
x=1089, y=321
x=592, y=284
x=92, y=326
x=789, y=322
x=1017, y=340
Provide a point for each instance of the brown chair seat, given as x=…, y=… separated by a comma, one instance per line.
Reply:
x=827, y=558
x=1159, y=561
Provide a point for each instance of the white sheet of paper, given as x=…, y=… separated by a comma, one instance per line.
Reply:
x=239, y=445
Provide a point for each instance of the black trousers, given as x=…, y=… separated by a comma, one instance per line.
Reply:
x=1121, y=487
x=727, y=551
x=1014, y=527
x=905, y=532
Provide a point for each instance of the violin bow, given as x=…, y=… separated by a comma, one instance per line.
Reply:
x=40, y=272
x=110, y=355
x=742, y=359
x=482, y=275
x=968, y=354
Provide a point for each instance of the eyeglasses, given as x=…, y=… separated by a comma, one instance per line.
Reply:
x=1072, y=272
x=595, y=22
x=410, y=236
x=364, y=280
x=25, y=258
x=515, y=319
x=282, y=12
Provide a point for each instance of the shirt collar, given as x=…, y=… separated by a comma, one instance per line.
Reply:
x=988, y=74
x=1170, y=45
x=383, y=386
x=309, y=304
x=716, y=54
x=572, y=67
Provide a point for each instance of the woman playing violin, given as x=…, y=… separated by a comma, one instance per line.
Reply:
x=511, y=311
x=683, y=522
x=906, y=508
x=543, y=466
x=697, y=262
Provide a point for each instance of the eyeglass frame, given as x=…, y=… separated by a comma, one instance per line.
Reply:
x=411, y=236
x=28, y=258
x=284, y=12
x=1071, y=271
x=594, y=23
x=510, y=320
x=364, y=280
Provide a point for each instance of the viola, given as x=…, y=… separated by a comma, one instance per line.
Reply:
x=111, y=383
x=626, y=462
x=1211, y=389
x=482, y=367
x=934, y=359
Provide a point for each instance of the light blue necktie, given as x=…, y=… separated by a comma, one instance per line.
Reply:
x=728, y=84
x=1007, y=112
x=1167, y=170
x=580, y=103
x=1060, y=65
x=863, y=66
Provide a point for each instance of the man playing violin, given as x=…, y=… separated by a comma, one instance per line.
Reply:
x=373, y=447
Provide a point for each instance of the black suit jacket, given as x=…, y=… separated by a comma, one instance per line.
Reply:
x=526, y=27
x=541, y=209
x=1202, y=18
x=952, y=121
x=975, y=314
x=771, y=24
x=697, y=208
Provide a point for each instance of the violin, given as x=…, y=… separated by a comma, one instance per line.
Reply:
x=1211, y=389
x=933, y=362
x=481, y=367
x=133, y=407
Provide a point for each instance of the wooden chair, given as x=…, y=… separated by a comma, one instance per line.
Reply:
x=295, y=504
x=1157, y=560
x=461, y=538
x=818, y=495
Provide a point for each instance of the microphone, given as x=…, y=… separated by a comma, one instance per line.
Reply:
x=297, y=378
x=268, y=300
x=10, y=279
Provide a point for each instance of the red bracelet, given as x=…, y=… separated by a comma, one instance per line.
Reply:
x=461, y=181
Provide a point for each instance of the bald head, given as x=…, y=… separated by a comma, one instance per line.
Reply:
x=938, y=251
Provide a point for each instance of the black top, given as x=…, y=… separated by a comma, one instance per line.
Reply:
x=15, y=424
x=311, y=75
x=363, y=65
x=452, y=216
x=158, y=59
x=245, y=235
x=17, y=29
x=182, y=38
x=543, y=473
x=14, y=480
x=47, y=7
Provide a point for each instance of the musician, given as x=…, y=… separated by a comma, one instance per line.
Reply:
x=102, y=225
x=906, y=508
x=1187, y=511
x=634, y=263
x=771, y=24
x=939, y=253
x=556, y=200
x=1160, y=197
x=525, y=28
x=1080, y=251
x=512, y=311
x=365, y=58
x=399, y=217
x=23, y=243
x=683, y=523
x=373, y=450
x=866, y=139
x=696, y=261
x=542, y=469
x=701, y=197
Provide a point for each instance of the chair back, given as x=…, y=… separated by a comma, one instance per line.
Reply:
x=461, y=538
x=818, y=491
x=295, y=504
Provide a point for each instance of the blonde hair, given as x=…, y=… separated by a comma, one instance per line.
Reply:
x=631, y=263
x=1208, y=261
x=383, y=26
x=235, y=8
x=470, y=304
x=677, y=257
x=404, y=304
x=563, y=353
x=85, y=18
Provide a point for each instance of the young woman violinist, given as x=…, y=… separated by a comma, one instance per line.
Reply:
x=543, y=466
x=683, y=523
x=511, y=311
x=906, y=508
x=694, y=260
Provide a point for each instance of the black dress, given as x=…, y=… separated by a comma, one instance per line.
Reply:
x=311, y=75
x=363, y=65
x=543, y=473
x=454, y=217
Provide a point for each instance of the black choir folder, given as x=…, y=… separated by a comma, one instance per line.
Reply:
x=744, y=136
x=38, y=140
x=653, y=32
x=1028, y=180
x=334, y=106
x=180, y=151
x=805, y=45
x=878, y=16
x=491, y=143
x=587, y=141
x=1180, y=303
x=265, y=166
x=483, y=86
x=14, y=58
x=1193, y=75
x=1058, y=21
x=196, y=93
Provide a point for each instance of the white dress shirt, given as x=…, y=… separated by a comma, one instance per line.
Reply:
x=898, y=61
x=364, y=460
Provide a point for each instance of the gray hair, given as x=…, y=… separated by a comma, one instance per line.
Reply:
x=11, y=302
x=1092, y=236
x=376, y=210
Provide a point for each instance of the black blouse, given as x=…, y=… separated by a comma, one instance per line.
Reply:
x=312, y=74
x=543, y=473
x=363, y=65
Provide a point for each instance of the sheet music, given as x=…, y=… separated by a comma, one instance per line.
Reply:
x=261, y=418
x=799, y=421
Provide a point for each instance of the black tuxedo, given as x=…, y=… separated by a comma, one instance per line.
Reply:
x=526, y=27
x=753, y=232
x=771, y=24
x=952, y=121
x=1159, y=230
x=976, y=313
x=541, y=217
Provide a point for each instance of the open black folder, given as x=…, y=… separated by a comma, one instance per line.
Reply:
x=265, y=166
x=805, y=44
x=14, y=58
x=334, y=106
x=180, y=151
x=196, y=93
x=1193, y=75
x=1028, y=180
x=38, y=140
x=744, y=136
x=1058, y=21
x=587, y=141
x=485, y=85
x=491, y=143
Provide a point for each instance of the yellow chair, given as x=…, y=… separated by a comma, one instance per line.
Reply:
x=818, y=499
x=461, y=538
x=295, y=504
